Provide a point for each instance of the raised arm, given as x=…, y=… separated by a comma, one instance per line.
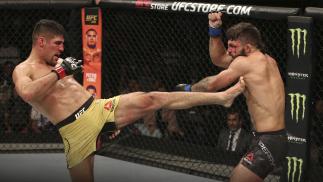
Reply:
x=218, y=53
x=214, y=83
x=223, y=79
x=31, y=90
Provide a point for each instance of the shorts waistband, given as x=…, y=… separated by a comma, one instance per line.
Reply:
x=76, y=114
x=278, y=132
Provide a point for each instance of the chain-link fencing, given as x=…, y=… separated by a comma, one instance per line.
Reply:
x=156, y=51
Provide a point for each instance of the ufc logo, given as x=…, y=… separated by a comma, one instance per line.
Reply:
x=78, y=114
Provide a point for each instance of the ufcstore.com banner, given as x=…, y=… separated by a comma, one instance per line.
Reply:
x=259, y=12
x=194, y=7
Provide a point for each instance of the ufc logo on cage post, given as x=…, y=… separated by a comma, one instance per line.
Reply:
x=297, y=104
x=294, y=169
x=91, y=16
x=299, y=41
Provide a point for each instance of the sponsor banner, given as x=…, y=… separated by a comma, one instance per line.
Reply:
x=92, y=49
x=299, y=50
x=298, y=75
x=261, y=12
x=299, y=71
x=297, y=103
x=295, y=169
x=298, y=82
x=299, y=39
x=295, y=140
x=194, y=7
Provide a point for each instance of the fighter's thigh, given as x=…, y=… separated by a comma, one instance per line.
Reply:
x=258, y=160
x=131, y=107
x=243, y=174
x=83, y=171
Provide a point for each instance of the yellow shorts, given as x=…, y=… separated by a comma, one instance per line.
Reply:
x=80, y=134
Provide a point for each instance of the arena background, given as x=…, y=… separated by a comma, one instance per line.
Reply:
x=147, y=47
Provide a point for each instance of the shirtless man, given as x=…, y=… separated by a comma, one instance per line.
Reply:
x=92, y=54
x=46, y=82
x=265, y=95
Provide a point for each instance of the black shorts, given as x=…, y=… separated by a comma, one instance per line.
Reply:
x=267, y=151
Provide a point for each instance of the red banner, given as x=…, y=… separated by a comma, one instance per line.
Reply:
x=92, y=49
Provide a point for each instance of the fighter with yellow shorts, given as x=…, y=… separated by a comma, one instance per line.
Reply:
x=80, y=130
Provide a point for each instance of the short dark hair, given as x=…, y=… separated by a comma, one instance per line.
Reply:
x=232, y=111
x=90, y=30
x=47, y=28
x=247, y=33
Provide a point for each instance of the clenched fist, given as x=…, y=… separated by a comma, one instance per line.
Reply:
x=69, y=66
x=215, y=20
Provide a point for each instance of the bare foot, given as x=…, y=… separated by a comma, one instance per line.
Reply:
x=232, y=92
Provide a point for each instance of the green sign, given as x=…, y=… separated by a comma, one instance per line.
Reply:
x=297, y=103
x=298, y=37
x=294, y=171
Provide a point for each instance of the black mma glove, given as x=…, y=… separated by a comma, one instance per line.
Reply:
x=183, y=87
x=69, y=66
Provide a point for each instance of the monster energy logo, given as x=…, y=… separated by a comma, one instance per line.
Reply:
x=296, y=35
x=293, y=165
x=297, y=101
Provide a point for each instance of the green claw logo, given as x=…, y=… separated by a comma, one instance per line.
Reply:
x=294, y=164
x=298, y=36
x=297, y=102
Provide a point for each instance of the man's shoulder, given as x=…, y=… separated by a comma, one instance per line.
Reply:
x=87, y=49
x=241, y=60
x=241, y=64
x=252, y=62
x=22, y=65
x=245, y=132
x=260, y=56
x=24, y=68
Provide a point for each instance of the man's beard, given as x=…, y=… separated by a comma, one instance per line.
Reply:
x=243, y=53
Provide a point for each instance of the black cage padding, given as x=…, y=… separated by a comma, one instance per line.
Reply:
x=316, y=13
x=23, y=4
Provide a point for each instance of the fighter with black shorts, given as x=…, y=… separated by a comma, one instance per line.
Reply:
x=266, y=152
x=244, y=55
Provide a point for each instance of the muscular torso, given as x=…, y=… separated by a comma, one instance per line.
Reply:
x=91, y=55
x=63, y=98
x=265, y=93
